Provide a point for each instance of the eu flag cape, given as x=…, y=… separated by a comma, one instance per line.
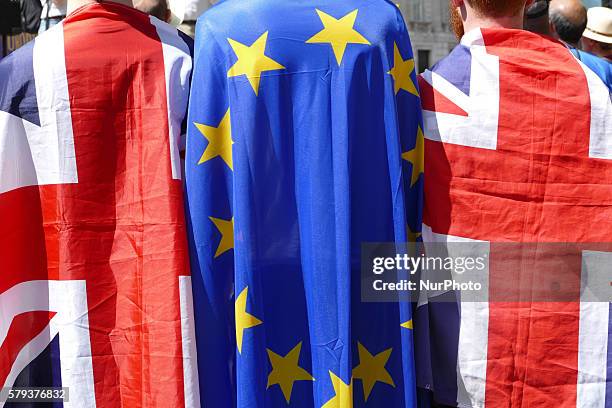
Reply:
x=300, y=113
x=95, y=289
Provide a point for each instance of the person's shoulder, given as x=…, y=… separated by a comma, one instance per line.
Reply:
x=229, y=14
x=594, y=60
x=17, y=85
x=219, y=17
x=169, y=34
x=21, y=57
x=513, y=38
x=601, y=67
x=457, y=54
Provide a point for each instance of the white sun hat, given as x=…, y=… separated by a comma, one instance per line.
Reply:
x=599, y=26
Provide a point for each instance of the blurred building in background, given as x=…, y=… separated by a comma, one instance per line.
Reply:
x=430, y=32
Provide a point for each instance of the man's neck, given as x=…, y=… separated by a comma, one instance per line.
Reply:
x=75, y=4
x=473, y=22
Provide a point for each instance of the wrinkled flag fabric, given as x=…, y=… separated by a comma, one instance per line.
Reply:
x=303, y=143
x=95, y=288
x=518, y=150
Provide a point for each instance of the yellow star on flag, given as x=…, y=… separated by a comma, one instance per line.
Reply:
x=407, y=325
x=286, y=371
x=344, y=393
x=219, y=141
x=252, y=61
x=243, y=319
x=401, y=72
x=416, y=157
x=371, y=369
x=338, y=33
x=226, y=228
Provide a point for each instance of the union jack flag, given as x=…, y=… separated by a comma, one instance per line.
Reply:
x=518, y=149
x=95, y=289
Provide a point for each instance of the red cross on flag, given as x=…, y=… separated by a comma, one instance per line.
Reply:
x=95, y=289
x=518, y=149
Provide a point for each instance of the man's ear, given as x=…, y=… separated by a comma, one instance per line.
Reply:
x=457, y=3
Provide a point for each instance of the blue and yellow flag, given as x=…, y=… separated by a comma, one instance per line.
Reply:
x=304, y=142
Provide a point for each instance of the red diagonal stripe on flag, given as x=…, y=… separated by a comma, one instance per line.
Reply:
x=432, y=100
x=24, y=327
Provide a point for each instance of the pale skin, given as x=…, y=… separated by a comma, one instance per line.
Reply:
x=472, y=19
x=75, y=4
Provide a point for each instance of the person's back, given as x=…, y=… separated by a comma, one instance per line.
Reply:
x=91, y=221
x=518, y=149
x=297, y=131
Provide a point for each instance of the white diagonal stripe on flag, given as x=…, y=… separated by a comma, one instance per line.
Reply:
x=69, y=300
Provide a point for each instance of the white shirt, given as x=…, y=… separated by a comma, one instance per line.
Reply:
x=56, y=10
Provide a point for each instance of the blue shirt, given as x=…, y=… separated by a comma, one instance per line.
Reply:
x=601, y=67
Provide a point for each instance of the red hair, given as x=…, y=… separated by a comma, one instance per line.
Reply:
x=486, y=8
x=498, y=8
